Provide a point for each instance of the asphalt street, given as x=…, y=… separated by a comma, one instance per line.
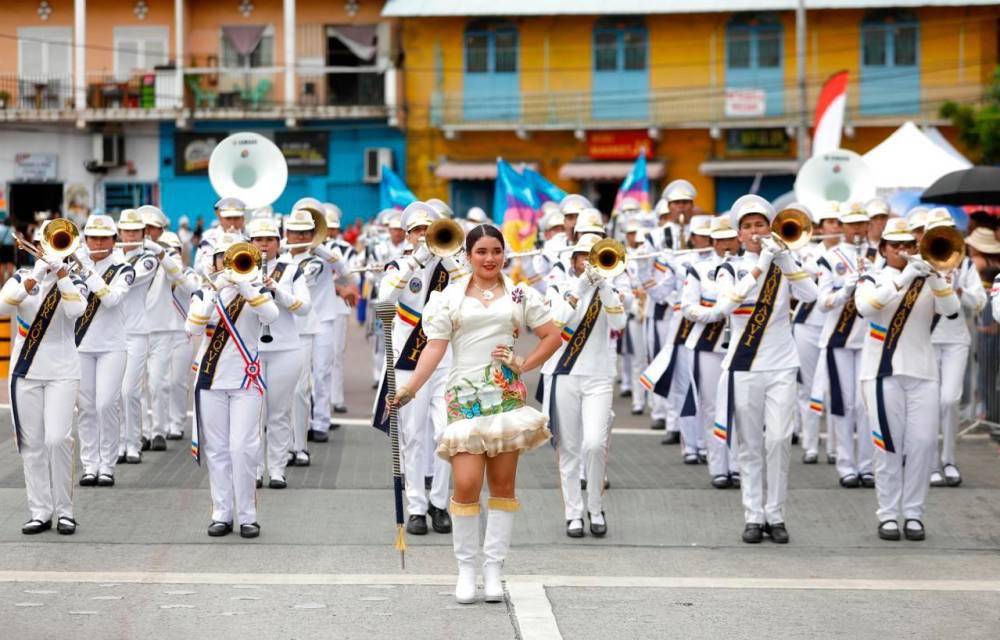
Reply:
x=672, y=565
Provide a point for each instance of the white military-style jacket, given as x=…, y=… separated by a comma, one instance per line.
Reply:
x=291, y=293
x=145, y=266
x=838, y=266
x=169, y=294
x=587, y=348
x=48, y=347
x=102, y=325
x=899, y=320
x=759, y=311
x=968, y=286
x=314, y=272
x=698, y=298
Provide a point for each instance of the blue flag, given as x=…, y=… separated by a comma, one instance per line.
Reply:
x=393, y=192
x=544, y=189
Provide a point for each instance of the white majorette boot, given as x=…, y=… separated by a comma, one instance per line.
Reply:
x=499, y=525
x=465, y=540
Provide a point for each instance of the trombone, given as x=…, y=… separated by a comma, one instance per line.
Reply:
x=941, y=247
x=444, y=237
x=60, y=240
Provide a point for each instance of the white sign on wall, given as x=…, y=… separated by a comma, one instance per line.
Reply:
x=36, y=166
x=745, y=103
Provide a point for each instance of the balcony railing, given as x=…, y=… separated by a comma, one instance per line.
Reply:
x=203, y=92
x=689, y=107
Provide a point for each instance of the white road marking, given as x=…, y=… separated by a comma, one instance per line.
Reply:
x=177, y=606
x=29, y=604
x=244, y=580
x=106, y=598
x=309, y=605
x=533, y=611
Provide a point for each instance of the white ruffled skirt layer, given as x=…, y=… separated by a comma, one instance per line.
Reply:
x=522, y=429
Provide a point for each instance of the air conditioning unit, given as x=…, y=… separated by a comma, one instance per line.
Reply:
x=108, y=149
x=375, y=159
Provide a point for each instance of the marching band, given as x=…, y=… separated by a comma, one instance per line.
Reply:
x=738, y=331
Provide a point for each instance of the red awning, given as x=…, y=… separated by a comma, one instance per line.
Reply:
x=606, y=170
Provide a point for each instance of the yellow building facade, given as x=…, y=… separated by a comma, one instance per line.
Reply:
x=713, y=94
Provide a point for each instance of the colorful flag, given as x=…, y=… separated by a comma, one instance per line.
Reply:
x=829, y=120
x=515, y=207
x=545, y=190
x=393, y=192
x=635, y=185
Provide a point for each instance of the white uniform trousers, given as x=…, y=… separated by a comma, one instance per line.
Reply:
x=722, y=459
x=229, y=434
x=322, y=372
x=99, y=410
x=133, y=386
x=638, y=362
x=282, y=371
x=660, y=407
x=339, y=344
x=583, y=407
x=168, y=365
x=180, y=371
x=764, y=416
x=680, y=385
x=807, y=345
x=427, y=411
x=902, y=478
x=44, y=411
x=853, y=437
x=952, y=360
x=302, y=404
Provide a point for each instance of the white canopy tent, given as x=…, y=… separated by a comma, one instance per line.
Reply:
x=909, y=159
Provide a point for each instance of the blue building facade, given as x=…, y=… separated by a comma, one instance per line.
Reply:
x=338, y=177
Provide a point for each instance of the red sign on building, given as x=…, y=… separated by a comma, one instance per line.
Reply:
x=618, y=145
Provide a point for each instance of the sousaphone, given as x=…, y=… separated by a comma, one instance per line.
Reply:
x=250, y=167
x=838, y=175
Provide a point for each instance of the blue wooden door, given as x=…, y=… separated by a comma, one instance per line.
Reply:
x=754, y=60
x=620, y=88
x=890, y=75
x=492, y=84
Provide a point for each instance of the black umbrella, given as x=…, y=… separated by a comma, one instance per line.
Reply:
x=978, y=185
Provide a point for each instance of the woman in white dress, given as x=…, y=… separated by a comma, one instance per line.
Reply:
x=489, y=420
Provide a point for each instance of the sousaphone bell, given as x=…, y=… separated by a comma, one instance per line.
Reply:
x=250, y=167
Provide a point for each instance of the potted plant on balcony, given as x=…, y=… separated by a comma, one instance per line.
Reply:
x=4, y=99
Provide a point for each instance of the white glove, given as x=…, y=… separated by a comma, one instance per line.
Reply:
x=222, y=280
x=422, y=253
x=40, y=270
x=851, y=281
x=915, y=268
x=153, y=247
x=768, y=251
x=328, y=254
x=247, y=289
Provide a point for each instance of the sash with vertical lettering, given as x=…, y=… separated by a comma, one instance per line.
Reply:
x=841, y=332
x=93, y=303
x=32, y=341
x=753, y=332
x=574, y=347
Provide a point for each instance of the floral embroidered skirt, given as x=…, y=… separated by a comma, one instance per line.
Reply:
x=490, y=415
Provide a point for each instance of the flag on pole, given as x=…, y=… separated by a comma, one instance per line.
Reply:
x=515, y=207
x=393, y=192
x=635, y=185
x=545, y=190
x=829, y=121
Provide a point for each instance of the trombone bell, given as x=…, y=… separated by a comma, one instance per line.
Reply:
x=244, y=262
x=60, y=238
x=792, y=228
x=607, y=257
x=444, y=237
x=942, y=248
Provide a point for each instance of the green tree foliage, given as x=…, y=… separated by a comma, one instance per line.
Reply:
x=979, y=127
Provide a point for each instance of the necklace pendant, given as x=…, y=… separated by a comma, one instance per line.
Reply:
x=487, y=295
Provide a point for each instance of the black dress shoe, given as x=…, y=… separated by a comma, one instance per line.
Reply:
x=66, y=526
x=598, y=530
x=626, y=393
x=340, y=409
x=317, y=436
x=810, y=458
x=417, y=525
x=219, y=529
x=31, y=527
x=428, y=481
x=867, y=480
x=105, y=480
x=440, y=519
x=672, y=437
x=777, y=531
x=121, y=458
x=277, y=482
x=251, y=530
x=831, y=458
x=334, y=426
x=720, y=482
x=88, y=480
x=658, y=425
x=133, y=458
x=690, y=458
x=734, y=480
x=914, y=534
x=850, y=481
x=159, y=443
x=886, y=533
x=574, y=532
x=145, y=444
x=175, y=436
x=583, y=484
x=753, y=533
x=260, y=482
x=638, y=412
x=795, y=438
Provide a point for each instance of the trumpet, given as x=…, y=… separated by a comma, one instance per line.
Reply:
x=243, y=262
x=791, y=229
x=444, y=237
x=941, y=247
x=607, y=258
